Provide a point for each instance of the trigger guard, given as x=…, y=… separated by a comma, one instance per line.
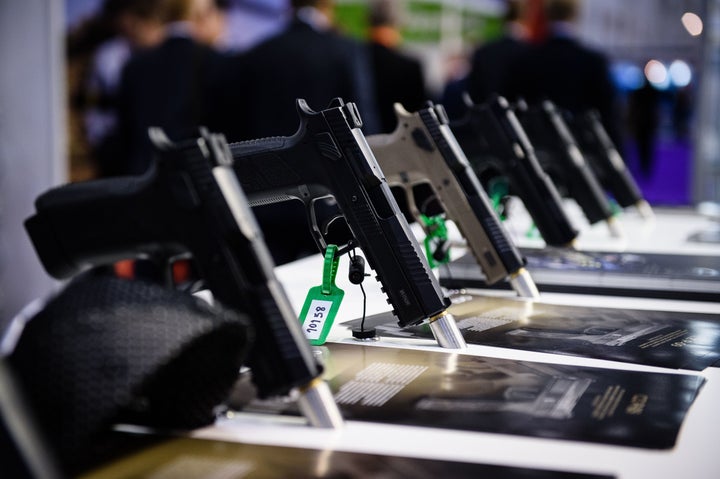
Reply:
x=321, y=226
x=328, y=225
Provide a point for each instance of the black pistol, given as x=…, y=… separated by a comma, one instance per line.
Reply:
x=560, y=156
x=329, y=156
x=606, y=161
x=189, y=201
x=423, y=150
x=496, y=146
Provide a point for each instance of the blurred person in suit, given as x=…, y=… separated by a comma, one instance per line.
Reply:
x=560, y=68
x=308, y=59
x=643, y=122
x=490, y=61
x=170, y=85
x=137, y=25
x=249, y=22
x=97, y=49
x=397, y=77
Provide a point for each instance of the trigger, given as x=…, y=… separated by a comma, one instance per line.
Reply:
x=336, y=231
x=328, y=223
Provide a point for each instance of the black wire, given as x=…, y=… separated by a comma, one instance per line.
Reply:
x=362, y=323
x=352, y=255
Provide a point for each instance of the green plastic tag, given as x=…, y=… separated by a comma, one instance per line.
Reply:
x=436, y=241
x=498, y=189
x=533, y=232
x=322, y=302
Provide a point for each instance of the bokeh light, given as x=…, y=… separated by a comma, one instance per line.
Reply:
x=680, y=73
x=692, y=23
x=657, y=74
x=628, y=76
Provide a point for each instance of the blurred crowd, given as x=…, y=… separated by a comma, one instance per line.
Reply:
x=165, y=63
x=141, y=63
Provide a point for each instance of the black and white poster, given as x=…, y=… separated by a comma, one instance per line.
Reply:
x=562, y=270
x=655, y=338
x=458, y=391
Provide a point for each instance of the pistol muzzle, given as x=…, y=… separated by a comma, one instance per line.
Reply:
x=645, y=210
x=615, y=228
x=317, y=404
x=523, y=284
x=446, y=332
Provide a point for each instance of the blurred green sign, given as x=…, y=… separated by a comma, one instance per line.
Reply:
x=426, y=21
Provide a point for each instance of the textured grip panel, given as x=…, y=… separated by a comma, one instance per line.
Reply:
x=73, y=194
x=250, y=147
x=108, y=350
x=507, y=251
x=409, y=256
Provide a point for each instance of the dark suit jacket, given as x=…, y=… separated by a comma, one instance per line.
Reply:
x=489, y=67
x=397, y=78
x=299, y=62
x=168, y=86
x=573, y=76
x=260, y=90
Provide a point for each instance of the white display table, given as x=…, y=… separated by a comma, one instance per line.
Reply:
x=695, y=454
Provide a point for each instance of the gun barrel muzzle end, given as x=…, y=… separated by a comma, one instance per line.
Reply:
x=616, y=230
x=446, y=331
x=317, y=404
x=645, y=210
x=524, y=285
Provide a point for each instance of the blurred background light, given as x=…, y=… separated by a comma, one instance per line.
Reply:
x=657, y=74
x=692, y=23
x=680, y=73
x=628, y=76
